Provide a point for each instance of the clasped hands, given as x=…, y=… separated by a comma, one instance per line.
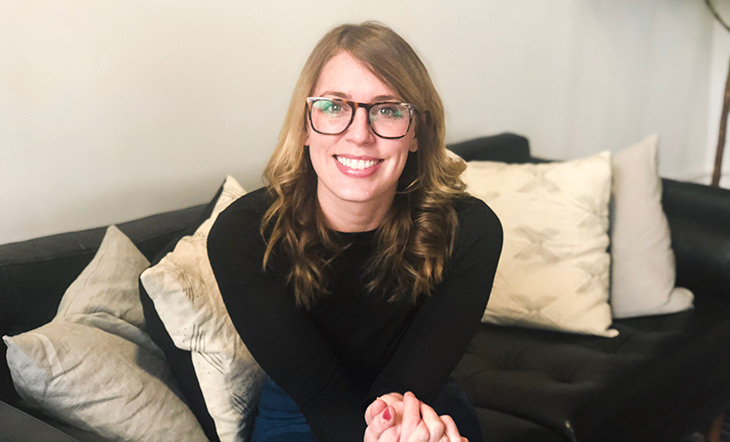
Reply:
x=404, y=418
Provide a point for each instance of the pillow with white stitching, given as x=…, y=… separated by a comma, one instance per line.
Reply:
x=188, y=302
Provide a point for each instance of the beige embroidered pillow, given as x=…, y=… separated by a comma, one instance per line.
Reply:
x=554, y=269
x=188, y=301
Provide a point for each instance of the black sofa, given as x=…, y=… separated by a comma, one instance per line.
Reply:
x=662, y=379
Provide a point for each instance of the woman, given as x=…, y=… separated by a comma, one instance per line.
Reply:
x=357, y=276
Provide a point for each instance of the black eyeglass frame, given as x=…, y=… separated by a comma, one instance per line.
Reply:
x=355, y=105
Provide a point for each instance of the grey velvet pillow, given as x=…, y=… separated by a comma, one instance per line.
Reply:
x=93, y=366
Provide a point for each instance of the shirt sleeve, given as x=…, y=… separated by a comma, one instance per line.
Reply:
x=282, y=338
x=446, y=321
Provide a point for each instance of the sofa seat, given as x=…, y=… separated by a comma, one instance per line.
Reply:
x=586, y=388
x=505, y=427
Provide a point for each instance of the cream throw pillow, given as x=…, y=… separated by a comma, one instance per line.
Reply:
x=643, y=266
x=554, y=269
x=93, y=367
x=188, y=301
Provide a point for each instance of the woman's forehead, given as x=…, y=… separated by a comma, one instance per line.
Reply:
x=345, y=76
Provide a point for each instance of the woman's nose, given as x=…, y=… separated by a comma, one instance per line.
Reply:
x=360, y=131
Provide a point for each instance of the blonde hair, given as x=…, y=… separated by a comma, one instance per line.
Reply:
x=416, y=238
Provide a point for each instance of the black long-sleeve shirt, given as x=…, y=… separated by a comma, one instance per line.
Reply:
x=352, y=346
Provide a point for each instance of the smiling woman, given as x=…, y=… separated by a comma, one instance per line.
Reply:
x=357, y=276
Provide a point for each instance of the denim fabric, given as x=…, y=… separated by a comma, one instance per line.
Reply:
x=279, y=418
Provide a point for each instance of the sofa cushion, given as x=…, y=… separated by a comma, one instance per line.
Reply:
x=93, y=366
x=642, y=260
x=699, y=217
x=188, y=302
x=554, y=269
x=503, y=427
x=644, y=384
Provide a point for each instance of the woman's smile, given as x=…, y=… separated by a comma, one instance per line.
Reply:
x=357, y=167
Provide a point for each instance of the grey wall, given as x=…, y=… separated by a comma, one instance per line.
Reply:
x=111, y=110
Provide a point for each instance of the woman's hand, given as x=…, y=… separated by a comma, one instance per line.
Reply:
x=404, y=418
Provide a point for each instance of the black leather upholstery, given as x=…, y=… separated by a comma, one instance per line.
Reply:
x=699, y=218
x=505, y=147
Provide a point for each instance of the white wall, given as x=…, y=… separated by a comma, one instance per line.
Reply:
x=115, y=109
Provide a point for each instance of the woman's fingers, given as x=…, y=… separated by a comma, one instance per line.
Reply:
x=408, y=420
x=420, y=433
x=380, y=424
x=451, y=431
x=374, y=409
x=391, y=398
x=411, y=416
x=436, y=427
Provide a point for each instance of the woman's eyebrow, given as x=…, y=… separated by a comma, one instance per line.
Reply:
x=336, y=94
x=345, y=96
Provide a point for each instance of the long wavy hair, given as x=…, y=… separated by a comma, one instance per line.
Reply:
x=416, y=238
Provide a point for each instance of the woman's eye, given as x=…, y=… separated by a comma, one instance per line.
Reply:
x=328, y=107
x=390, y=112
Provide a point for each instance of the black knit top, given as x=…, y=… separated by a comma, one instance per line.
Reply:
x=351, y=346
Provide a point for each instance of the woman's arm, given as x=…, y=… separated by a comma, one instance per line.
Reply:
x=445, y=323
x=280, y=336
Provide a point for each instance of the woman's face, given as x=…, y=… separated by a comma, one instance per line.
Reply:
x=357, y=171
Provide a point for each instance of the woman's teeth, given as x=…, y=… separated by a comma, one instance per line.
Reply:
x=356, y=164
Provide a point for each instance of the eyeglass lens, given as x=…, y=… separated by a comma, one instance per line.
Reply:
x=332, y=117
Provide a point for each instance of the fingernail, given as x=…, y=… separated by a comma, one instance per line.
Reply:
x=386, y=414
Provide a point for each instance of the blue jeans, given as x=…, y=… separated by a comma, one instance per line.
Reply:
x=279, y=418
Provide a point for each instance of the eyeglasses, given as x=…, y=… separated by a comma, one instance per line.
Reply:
x=332, y=116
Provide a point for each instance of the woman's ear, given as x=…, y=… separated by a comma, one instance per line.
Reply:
x=414, y=145
x=414, y=142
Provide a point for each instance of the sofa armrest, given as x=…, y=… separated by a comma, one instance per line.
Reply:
x=699, y=220
x=17, y=426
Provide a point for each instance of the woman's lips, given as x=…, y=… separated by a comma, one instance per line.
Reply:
x=357, y=167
